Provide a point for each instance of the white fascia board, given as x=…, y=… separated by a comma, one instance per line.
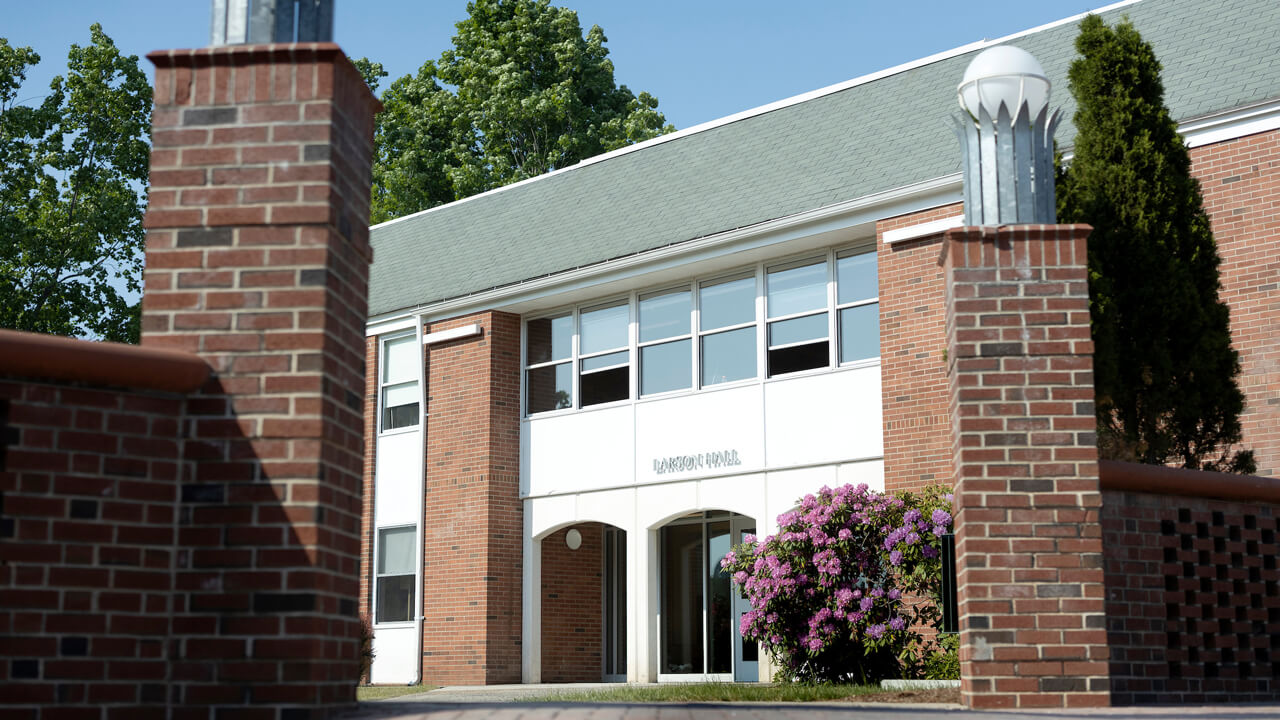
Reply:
x=1231, y=124
x=400, y=322
x=928, y=228
x=457, y=333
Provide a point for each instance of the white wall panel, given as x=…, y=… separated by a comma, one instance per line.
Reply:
x=700, y=435
x=393, y=656
x=399, y=479
x=823, y=418
x=578, y=451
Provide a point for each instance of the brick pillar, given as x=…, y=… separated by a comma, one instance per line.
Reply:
x=257, y=259
x=1028, y=539
x=472, y=555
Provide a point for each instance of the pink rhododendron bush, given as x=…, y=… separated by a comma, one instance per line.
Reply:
x=835, y=595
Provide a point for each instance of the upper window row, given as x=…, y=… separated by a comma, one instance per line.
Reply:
x=782, y=317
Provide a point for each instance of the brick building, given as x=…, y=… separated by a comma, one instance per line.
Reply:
x=583, y=388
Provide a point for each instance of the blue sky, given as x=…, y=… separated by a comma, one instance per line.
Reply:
x=702, y=59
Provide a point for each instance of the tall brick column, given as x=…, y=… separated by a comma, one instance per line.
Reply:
x=257, y=259
x=1028, y=539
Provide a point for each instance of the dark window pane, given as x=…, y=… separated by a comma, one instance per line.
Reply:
x=395, y=598
x=550, y=388
x=720, y=605
x=605, y=386
x=549, y=339
x=729, y=356
x=682, y=605
x=860, y=332
x=797, y=358
x=400, y=416
x=666, y=367
x=732, y=302
x=856, y=278
x=665, y=315
x=795, y=330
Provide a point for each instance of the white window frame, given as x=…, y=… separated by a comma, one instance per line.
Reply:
x=416, y=575
x=688, y=335
x=761, y=323
x=383, y=385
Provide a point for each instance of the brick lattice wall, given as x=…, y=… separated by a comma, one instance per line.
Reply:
x=89, y=504
x=572, y=606
x=917, y=438
x=1193, y=599
x=1028, y=542
x=1240, y=180
x=472, y=554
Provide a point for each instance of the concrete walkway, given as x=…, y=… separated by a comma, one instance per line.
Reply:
x=510, y=702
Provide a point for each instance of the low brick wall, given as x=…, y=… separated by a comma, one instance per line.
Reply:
x=88, y=525
x=1192, y=586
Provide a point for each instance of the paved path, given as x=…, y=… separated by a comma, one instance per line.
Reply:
x=499, y=702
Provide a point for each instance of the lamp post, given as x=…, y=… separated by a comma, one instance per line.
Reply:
x=1006, y=135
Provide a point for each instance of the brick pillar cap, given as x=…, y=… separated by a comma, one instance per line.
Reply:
x=1164, y=480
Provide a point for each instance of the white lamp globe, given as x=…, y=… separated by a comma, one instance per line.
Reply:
x=1004, y=74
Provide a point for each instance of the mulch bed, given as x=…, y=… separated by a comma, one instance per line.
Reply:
x=942, y=695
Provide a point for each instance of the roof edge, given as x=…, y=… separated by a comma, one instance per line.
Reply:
x=776, y=105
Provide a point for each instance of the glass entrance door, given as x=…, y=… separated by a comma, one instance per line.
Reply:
x=699, y=609
x=746, y=664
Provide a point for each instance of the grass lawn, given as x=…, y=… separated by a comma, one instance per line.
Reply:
x=382, y=692
x=717, y=692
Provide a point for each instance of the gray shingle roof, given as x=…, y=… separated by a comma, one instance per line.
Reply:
x=1217, y=55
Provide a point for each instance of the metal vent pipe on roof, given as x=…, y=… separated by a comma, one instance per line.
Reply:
x=1006, y=136
x=253, y=22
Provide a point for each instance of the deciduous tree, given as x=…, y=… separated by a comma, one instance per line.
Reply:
x=1165, y=371
x=73, y=172
x=522, y=92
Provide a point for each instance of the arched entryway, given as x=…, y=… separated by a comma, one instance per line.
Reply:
x=583, y=604
x=699, y=609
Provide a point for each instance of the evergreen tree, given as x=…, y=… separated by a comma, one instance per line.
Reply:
x=521, y=93
x=1165, y=371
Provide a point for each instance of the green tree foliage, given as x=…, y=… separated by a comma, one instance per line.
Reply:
x=72, y=173
x=1165, y=372
x=521, y=93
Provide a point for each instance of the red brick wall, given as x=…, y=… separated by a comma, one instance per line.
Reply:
x=1193, y=599
x=572, y=606
x=1028, y=542
x=917, y=439
x=88, y=523
x=367, y=485
x=1241, y=181
x=257, y=258
x=474, y=521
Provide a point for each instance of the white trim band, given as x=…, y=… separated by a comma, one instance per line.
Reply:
x=457, y=333
x=912, y=232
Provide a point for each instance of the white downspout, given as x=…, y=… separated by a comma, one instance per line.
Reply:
x=421, y=521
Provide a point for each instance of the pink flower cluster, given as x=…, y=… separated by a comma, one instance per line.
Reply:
x=827, y=590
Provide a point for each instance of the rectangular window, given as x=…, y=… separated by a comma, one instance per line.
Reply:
x=549, y=378
x=395, y=574
x=604, y=353
x=666, y=348
x=858, y=305
x=399, y=395
x=727, y=329
x=771, y=320
x=796, y=294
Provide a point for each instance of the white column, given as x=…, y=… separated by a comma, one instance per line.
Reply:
x=531, y=616
x=642, y=591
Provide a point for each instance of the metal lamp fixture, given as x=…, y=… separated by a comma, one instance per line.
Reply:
x=1006, y=135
